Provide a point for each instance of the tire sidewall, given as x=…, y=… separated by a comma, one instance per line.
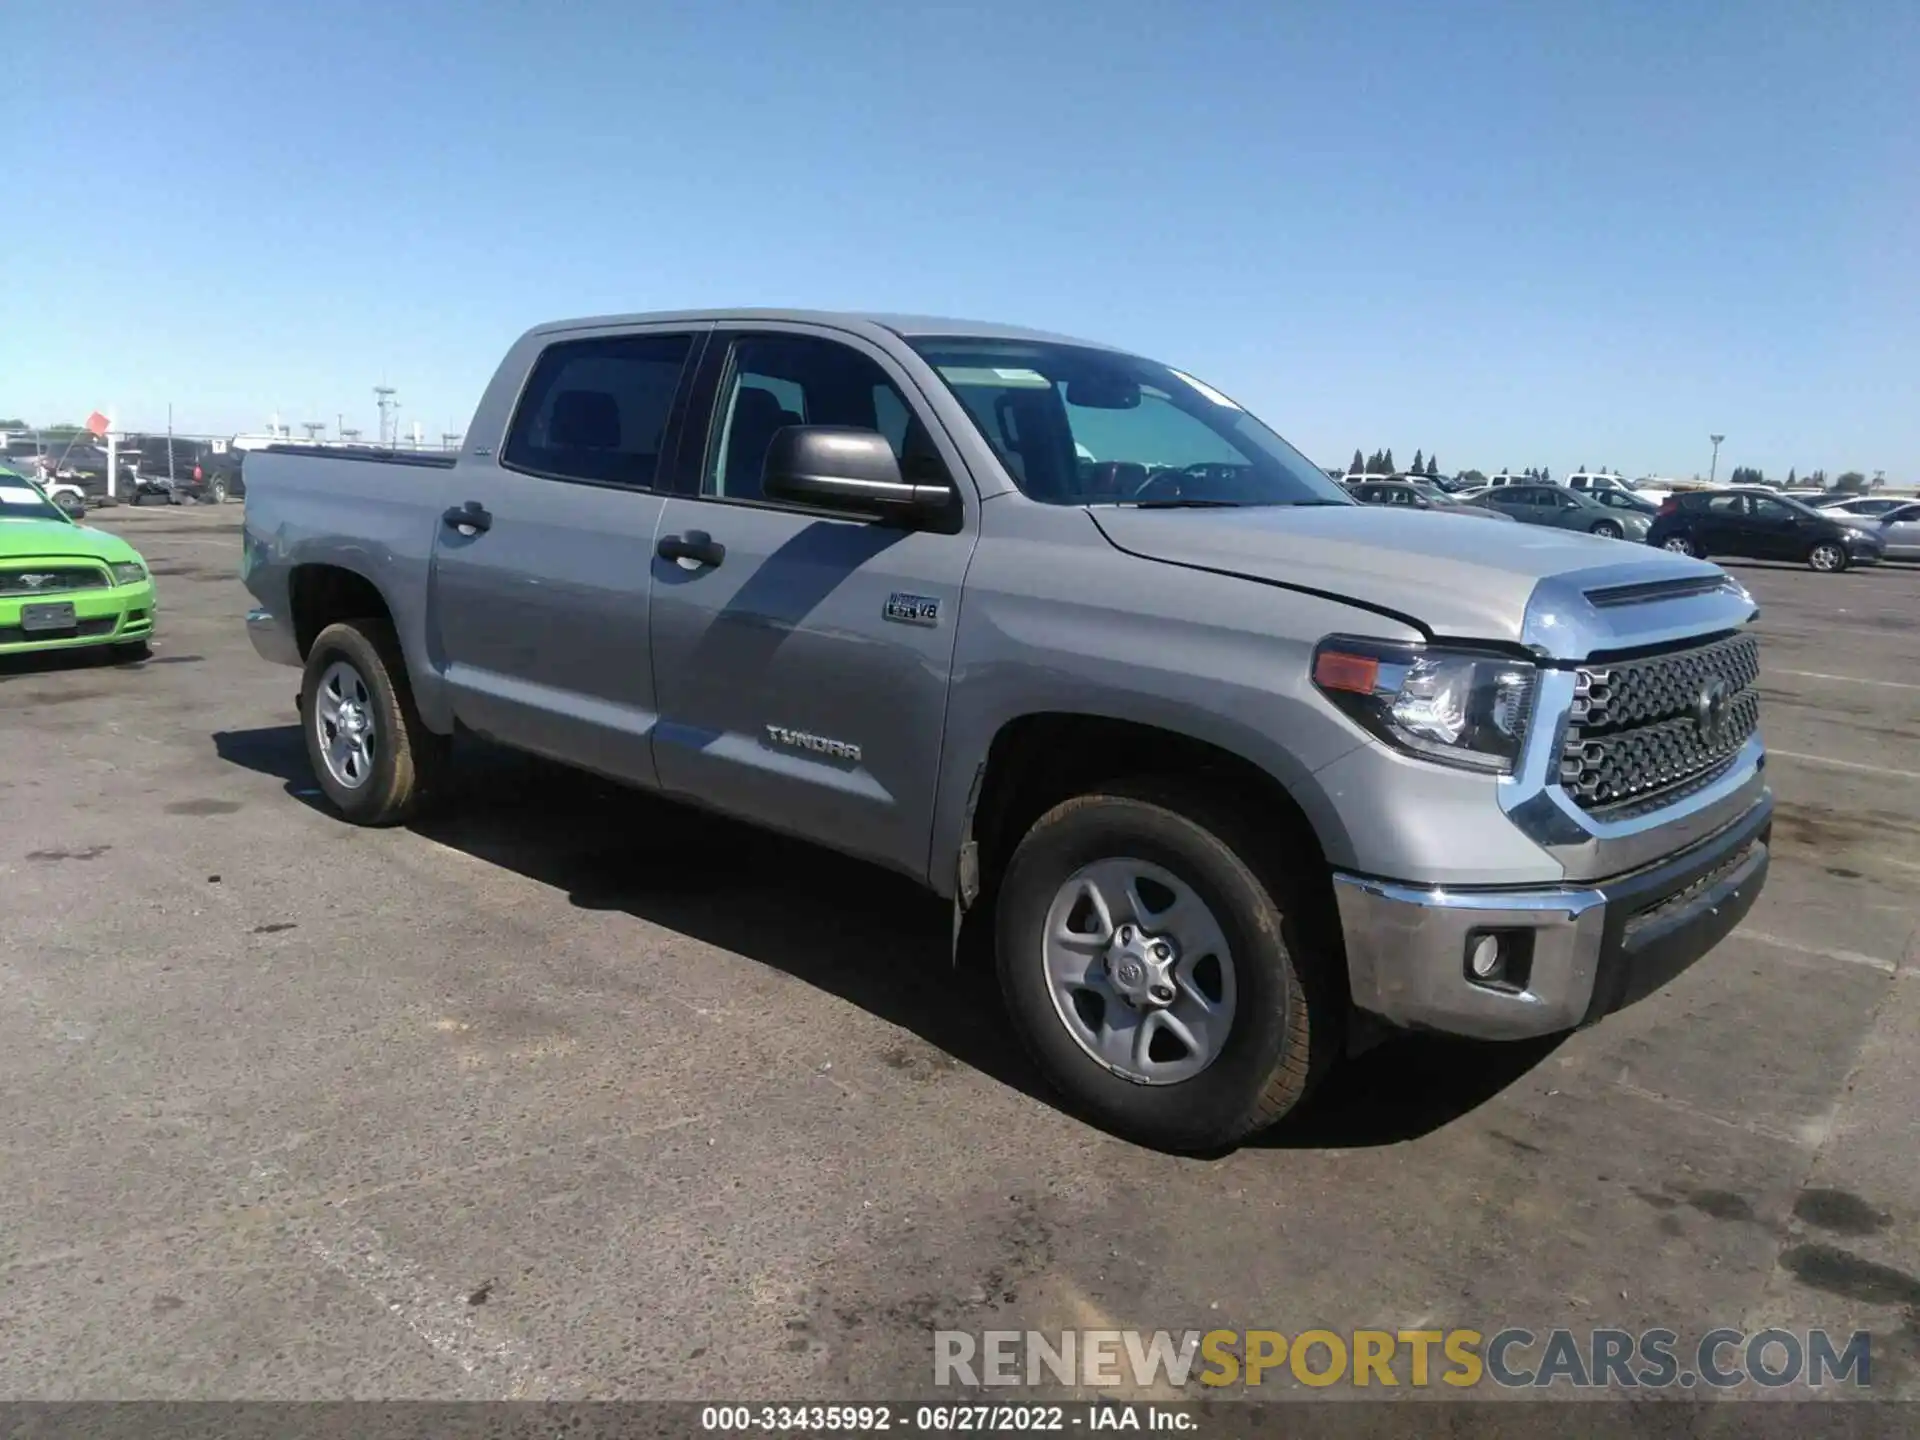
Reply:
x=1839, y=564
x=372, y=802
x=1607, y=530
x=1181, y=1115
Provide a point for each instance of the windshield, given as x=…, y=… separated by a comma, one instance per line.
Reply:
x=1080, y=426
x=21, y=501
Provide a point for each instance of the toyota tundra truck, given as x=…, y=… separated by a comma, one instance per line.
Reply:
x=1234, y=774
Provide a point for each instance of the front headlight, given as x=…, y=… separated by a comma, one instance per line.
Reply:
x=129, y=572
x=1454, y=707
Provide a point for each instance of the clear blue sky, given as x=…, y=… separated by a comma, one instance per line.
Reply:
x=1526, y=233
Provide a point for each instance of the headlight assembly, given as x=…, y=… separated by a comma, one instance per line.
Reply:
x=1455, y=707
x=129, y=572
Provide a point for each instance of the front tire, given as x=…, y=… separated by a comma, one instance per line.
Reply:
x=1144, y=953
x=1607, y=529
x=1681, y=545
x=217, y=492
x=371, y=753
x=1829, y=557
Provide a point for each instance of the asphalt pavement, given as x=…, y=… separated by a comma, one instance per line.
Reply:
x=569, y=1093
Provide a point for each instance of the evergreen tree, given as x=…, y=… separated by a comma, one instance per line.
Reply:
x=1789, y=477
x=1358, y=467
x=1433, y=467
x=1419, y=463
x=1386, y=462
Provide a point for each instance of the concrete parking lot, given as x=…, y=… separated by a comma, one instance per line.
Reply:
x=569, y=1093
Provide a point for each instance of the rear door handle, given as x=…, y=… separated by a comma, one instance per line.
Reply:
x=695, y=545
x=469, y=519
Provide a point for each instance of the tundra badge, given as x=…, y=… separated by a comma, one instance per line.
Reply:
x=819, y=744
x=912, y=609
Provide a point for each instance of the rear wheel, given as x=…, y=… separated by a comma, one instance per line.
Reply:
x=1829, y=557
x=374, y=757
x=1144, y=952
x=217, y=492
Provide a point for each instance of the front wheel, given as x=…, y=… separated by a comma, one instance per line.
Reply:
x=1680, y=545
x=217, y=492
x=374, y=757
x=1146, y=964
x=1607, y=529
x=1828, y=557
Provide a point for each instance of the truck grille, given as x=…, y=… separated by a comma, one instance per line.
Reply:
x=1642, y=728
x=34, y=580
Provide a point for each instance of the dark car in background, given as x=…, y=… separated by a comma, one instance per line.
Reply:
x=1754, y=525
x=1417, y=495
x=218, y=477
x=162, y=465
x=1564, y=509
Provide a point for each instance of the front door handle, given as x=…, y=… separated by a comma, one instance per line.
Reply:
x=469, y=519
x=695, y=545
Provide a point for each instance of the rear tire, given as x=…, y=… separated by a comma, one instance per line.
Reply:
x=1829, y=557
x=402, y=766
x=217, y=492
x=1282, y=1014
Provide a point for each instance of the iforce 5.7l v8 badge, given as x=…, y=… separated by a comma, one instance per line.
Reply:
x=913, y=609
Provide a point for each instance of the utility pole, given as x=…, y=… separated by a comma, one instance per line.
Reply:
x=169, y=446
x=1715, y=470
x=383, y=398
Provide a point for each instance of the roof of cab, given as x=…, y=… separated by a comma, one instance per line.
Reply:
x=907, y=326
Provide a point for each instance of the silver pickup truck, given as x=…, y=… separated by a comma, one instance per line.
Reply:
x=1241, y=774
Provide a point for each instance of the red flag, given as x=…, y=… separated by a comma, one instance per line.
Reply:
x=97, y=423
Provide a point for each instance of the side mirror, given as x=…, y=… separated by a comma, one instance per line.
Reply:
x=840, y=467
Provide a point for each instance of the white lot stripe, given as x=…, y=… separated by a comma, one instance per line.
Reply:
x=1842, y=764
x=436, y=1315
x=1823, y=952
x=1849, y=679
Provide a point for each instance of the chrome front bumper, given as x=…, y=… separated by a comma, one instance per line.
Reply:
x=1580, y=952
x=272, y=640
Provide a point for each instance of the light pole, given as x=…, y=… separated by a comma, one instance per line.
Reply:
x=1714, y=469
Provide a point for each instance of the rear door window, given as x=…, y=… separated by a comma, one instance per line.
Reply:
x=597, y=410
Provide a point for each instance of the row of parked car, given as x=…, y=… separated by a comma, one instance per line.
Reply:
x=149, y=467
x=1744, y=522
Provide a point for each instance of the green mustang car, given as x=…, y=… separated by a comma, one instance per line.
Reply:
x=64, y=585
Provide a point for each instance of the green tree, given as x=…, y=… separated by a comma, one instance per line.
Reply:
x=1433, y=467
x=1789, y=477
x=1851, y=482
x=1419, y=463
x=1358, y=467
x=14, y=425
x=1472, y=477
x=1386, y=461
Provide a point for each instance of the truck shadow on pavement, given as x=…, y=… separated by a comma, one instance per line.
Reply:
x=872, y=938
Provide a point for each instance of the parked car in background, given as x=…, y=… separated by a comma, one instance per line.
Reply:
x=85, y=464
x=69, y=497
x=1549, y=504
x=1870, y=507
x=162, y=457
x=1900, y=532
x=1418, y=496
x=218, y=477
x=1755, y=525
x=1597, y=485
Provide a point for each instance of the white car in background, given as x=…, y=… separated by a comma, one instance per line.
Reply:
x=1872, y=506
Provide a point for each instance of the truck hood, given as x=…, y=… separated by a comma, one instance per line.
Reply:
x=1447, y=574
